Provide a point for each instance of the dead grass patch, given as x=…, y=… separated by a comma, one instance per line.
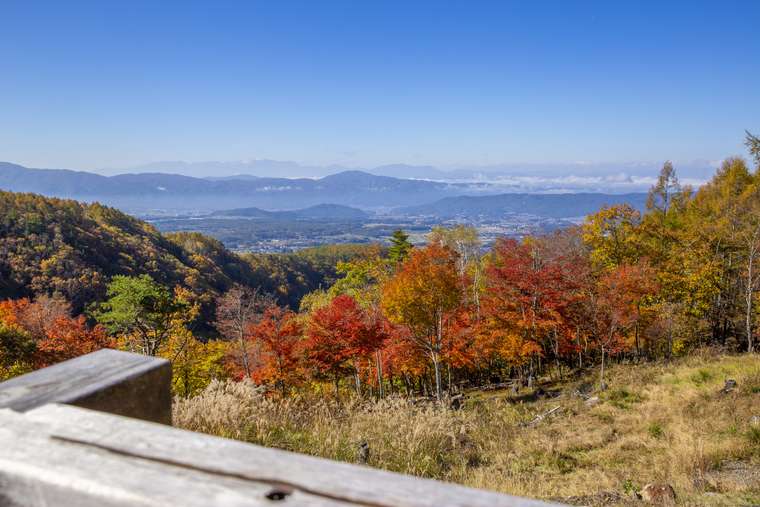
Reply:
x=657, y=422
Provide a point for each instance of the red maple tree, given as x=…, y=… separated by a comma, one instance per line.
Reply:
x=338, y=336
x=277, y=337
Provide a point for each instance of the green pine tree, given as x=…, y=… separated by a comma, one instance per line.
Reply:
x=400, y=246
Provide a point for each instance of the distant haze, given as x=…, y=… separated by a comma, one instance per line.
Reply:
x=570, y=177
x=165, y=191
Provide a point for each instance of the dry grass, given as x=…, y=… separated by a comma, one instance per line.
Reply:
x=661, y=422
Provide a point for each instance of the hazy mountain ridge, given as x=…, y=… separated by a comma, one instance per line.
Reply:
x=148, y=191
x=547, y=205
x=699, y=169
x=145, y=193
x=264, y=168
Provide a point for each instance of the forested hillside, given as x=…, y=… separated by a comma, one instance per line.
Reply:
x=65, y=247
x=71, y=249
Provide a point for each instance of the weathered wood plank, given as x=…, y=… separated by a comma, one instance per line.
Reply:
x=111, y=381
x=151, y=453
x=39, y=470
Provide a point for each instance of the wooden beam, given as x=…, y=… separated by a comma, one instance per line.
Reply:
x=65, y=456
x=111, y=381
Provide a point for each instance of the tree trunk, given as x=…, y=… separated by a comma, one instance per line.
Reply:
x=638, y=346
x=748, y=300
x=435, y=359
x=379, y=367
x=435, y=354
x=244, y=354
x=555, y=346
x=437, y=368
x=475, y=290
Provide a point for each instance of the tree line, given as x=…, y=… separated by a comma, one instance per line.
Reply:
x=427, y=320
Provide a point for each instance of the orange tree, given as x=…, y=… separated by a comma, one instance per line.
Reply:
x=17, y=347
x=422, y=295
x=617, y=310
x=68, y=338
x=524, y=301
x=35, y=334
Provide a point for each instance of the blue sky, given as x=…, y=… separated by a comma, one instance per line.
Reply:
x=115, y=84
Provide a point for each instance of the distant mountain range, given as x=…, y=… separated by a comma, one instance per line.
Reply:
x=279, y=169
x=545, y=205
x=475, y=208
x=159, y=193
x=146, y=192
x=577, y=175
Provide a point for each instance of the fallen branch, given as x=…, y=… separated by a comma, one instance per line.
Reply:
x=543, y=416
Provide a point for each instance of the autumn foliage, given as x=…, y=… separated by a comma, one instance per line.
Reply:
x=339, y=337
x=625, y=284
x=43, y=333
x=276, y=340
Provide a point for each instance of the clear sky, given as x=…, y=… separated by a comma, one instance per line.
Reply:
x=112, y=84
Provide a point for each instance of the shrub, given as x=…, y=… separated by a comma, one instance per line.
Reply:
x=656, y=430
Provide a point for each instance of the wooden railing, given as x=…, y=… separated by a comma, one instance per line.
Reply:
x=71, y=435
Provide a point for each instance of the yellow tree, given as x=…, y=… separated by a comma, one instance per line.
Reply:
x=722, y=231
x=424, y=291
x=611, y=235
x=194, y=363
x=749, y=253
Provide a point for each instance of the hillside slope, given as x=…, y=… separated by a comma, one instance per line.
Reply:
x=51, y=245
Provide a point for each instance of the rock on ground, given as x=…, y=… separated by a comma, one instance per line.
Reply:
x=658, y=494
x=594, y=400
